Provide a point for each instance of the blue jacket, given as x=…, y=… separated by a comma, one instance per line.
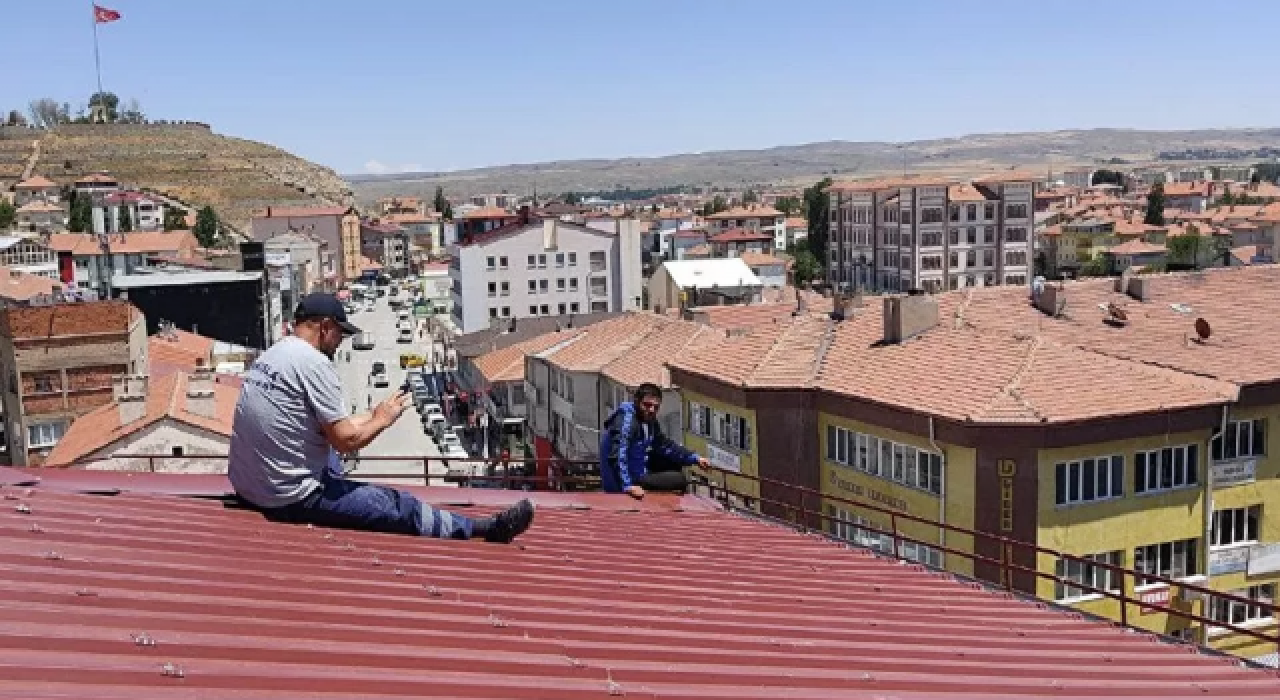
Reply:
x=625, y=449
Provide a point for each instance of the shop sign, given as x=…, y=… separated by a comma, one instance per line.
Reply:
x=1228, y=561
x=1160, y=596
x=724, y=459
x=1235, y=472
x=1264, y=559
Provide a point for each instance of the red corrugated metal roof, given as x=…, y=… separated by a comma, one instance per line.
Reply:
x=144, y=594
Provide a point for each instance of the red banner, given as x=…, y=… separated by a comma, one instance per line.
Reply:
x=102, y=15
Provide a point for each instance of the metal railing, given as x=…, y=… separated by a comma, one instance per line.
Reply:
x=569, y=475
x=800, y=515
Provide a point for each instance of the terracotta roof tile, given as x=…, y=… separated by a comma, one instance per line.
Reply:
x=19, y=286
x=35, y=182
x=669, y=339
x=761, y=259
x=889, y=183
x=1137, y=247
x=507, y=364
x=179, y=350
x=183, y=242
x=604, y=342
x=747, y=212
x=299, y=212
x=736, y=235
x=965, y=193
x=489, y=213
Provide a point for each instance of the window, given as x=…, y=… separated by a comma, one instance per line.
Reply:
x=1087, y=574
x=573, y=259
x=559, y=259
x=533, y=286
x=1014, y=258
x=858, y=531
x=502, y=263
x=493, y=289
x=560, y=284
x=544, y=286
x=505, y=289
x=719, y=426
x=1015, y=211
x=953, y=260
x=930, y=239
x=955, y=212
x=1166, y=468
x=533, y=309
x=545, y=310
x=599, y=286
x=1231, y=612
x=970, y=259
x=573, y=307
x=971, y=235
x=1015, y=279
x=573, y=284
x=560, y=308
x=45, y=434
x=1091, y=479
x=903, y=464
x=493, y=312
x=989, y=211
x=1167, y=559
x=1242, y=438
x=598, y=307
x=597, y=261
x=1233, y=526
x=971, y=211
x=1016, y=234
x=931, y=262
x=989, y=258
x=542, y=261
x=490, y=262
x=533, y=261
x=954, y=236
x=176, y=451
x=931, y=215
x=506, y=312
x=989, y=234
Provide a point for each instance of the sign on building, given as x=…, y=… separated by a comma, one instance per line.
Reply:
x=1264, y=559
x=1237, y=472
x=1227, y=561
x=724, y=459
x=1159, y=596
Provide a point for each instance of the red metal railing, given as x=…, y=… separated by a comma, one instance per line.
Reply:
x=1005, y=545
x=563, y=474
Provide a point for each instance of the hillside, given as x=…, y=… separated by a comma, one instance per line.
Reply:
x=962, y=156
x=188, y=162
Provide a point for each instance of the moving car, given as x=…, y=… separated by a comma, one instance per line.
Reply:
x=410, y=360
x=430, y=421
x=450, y=441
x=362, y=341
x=405, y=335
x=369, y=305
x=379, y=374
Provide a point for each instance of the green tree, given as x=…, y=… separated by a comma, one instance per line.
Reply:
x=1103, y=176
x=572, y=198
x=1155, y=206
x=80, y=215
x=441, y=204
x=1267, y=171
x=1094, y=267
x=207, y=229
x=109, y=103
x=805, y=268
x=750, y=197
x=7, y=213
x=125, y=220
x=1184, y=249
x=816, y=201
x=788, y=205
x=1226, y=199
x=174, y=219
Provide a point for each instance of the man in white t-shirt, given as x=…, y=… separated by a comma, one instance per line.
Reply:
x=291, y=419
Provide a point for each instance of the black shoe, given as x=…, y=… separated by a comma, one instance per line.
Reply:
x=510, y=523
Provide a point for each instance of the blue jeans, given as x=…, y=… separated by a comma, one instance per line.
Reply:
x=355, y=505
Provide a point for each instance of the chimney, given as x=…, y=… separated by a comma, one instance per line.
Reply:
x=268, y=212
x=200, y=392
x=130, y=394
x=1047, y=300
x=524, y=215
x=908, y=316
x=549, y=233
x=1139, y=287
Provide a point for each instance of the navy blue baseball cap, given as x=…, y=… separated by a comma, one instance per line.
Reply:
x=320, y=305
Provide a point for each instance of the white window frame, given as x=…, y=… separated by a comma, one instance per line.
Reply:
x=1234, y=527
x=50, y=434
x=1088, y=574
x=1240, y=439
x=1107, y=477
x=1180, y=463
x=1181, y=560
x=1240, y=614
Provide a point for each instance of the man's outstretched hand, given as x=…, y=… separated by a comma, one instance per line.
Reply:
x=704, y=462
x=389, y=410
x=635, y=492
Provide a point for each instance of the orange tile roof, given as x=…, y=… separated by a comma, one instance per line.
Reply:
x=507, y=364
x=602, y=343
x=1010, y=176
x=136, y=242
x=752, y=211
x=35, y=182
x=1033, y=368
x=965, y=193
x=1186, y=189
x=166, y=399
x=299, y=212
x=178, y=350
x=668, y=339
x=1137, y=247
x=761, y=259
x=489, y=213
x=19, y=286
x=797, y=222
x=1245, y=253
x=97, y=178
x=889, y=183
x=735, y=235
x=786, y=353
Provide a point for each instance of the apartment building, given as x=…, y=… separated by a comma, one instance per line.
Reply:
x=751, y=217
x=57, y=362
x=29, y=254
x=338, y=227
x=1100, y=434
x=924, y=233
x=545, y=268
x=387, y=244
x=90, y=262
x=36, y=188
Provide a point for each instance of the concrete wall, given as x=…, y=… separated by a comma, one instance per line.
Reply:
x=160, y=439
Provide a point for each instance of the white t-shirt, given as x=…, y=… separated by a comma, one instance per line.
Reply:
x=278, y=448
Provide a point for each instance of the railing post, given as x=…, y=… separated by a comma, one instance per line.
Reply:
x=426, y=471
x=151, y=463
x=1124, y=607
x=804, y=515
x=1005, y=578
x=893, y=525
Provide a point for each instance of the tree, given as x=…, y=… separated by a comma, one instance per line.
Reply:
x=715, y=206
x=1094, y=267
x=7, y=213
x=805, y=268
x=1226, y=199
x=788, y=205
x=750, y=197
x=15, y=119
x=206, y=229
x=125, y=220
x=572, y=198
x=44, y=112
x=1155, y=206
x=816, y=201
x=109, y=104
x=80, y=215
x=441, y=205
x=1184, y=249
x=174, y=219
x=1107, y=177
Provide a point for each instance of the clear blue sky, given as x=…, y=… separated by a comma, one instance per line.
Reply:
x=444, y=84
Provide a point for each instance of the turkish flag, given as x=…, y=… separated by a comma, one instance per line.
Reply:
x=102, y=15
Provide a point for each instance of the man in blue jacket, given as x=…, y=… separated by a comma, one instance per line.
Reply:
x=634, y=454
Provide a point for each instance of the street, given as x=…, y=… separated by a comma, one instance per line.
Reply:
x=406, y=436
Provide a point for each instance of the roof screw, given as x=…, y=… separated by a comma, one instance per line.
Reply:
x=97, y=521
x=348, y=547
x=376, y=561
x=497, y=621
x=143, y=639
x=172, y=670
x=434, y=592
x=23, y=508
x=399, y=572
x=328, y=535
x=310, y=526
x=576, y=663
x=85, y=593
x=868, y=677
x=52, y=556
x=35, y=527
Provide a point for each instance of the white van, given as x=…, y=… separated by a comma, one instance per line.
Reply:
x=405, y=336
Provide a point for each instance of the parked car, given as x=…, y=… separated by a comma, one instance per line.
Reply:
x=430, y=421
x=432, y=408
x=379, y=374
x=362, y=341
x=405, y=335
x=449, y=440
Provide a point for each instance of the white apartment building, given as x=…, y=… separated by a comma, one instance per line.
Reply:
x=917, y=233
x=751, y=217
x=545, y=268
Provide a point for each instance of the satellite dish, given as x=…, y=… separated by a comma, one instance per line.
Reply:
x=1203, y=330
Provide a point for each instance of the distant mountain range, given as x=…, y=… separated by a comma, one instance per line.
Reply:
x=960, y=157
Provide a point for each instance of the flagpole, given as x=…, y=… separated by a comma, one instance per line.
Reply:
x=97, y=59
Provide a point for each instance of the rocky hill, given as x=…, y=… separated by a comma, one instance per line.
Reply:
x=959, y=157
x=185, y=161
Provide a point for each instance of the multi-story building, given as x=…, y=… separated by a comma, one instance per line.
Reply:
x=386, y=244
x=338, y=227
x=735, y=242
x=682, y=284
x=29, y=254
x=1080, y=178
x=18, y=288
x=314, y=264
x=145, y=212
x=923, y=233
x=480, y=221
x=752, y=217
x=89, y=262
x=544, y=268
x=57, y=362
x=234, y=306
x=40, y=216
x=1130, y=426
x=36, y=188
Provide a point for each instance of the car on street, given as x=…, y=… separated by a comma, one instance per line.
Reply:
x=430, y=421
x=450, y=440
x=379, y=373
x=432, y=408
x=405, y=335
x=369, y=305
x=362, y=341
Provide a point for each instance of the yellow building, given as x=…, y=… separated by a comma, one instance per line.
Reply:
x=1136, y=438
